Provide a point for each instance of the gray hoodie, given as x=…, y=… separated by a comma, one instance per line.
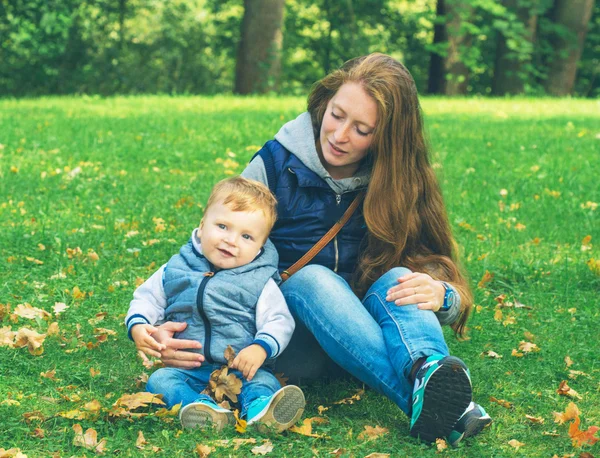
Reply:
x=298, y=138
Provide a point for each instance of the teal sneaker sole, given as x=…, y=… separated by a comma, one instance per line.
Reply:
x=446, y=396
x=284, y=410
x=199, y=415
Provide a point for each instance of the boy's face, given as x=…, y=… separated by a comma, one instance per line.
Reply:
x=231, y=239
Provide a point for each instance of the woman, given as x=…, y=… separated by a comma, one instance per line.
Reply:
x=363, y=132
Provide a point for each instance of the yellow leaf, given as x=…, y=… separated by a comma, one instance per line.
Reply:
x=569, y=414
x=240, y=425
x=371, y=433
x=263, y=449
x=501, y=402
x=491, y=354
x=93, y=406
x=141, y=440
x=31, y=339
x=28, y=311
x=306, y=428
x=441, y=444
x=50, y=375
x=94, y=372
x=565, y=390
x=141, y=399
x=53, y=329
x=487, y=277
x=532, y=419
x=515, y=443
x=352, y=399
x=528, y=347
x=203, y=450
x=498, y=315
x=568, y=361
x=7, y=337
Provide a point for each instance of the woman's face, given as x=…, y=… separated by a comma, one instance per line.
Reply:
x=347, y=130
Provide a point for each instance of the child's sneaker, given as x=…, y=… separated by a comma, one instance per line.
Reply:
x=473, y=420
x=441, y=395
x=279, y=411
x=205, y=413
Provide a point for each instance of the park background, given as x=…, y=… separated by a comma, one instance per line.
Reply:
x=117, y=117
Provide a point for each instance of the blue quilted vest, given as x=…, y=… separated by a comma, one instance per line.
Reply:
x=219, y=307
x=306, y=209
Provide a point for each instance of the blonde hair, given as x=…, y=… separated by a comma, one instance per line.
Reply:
x=403, y=208
x=241, y=194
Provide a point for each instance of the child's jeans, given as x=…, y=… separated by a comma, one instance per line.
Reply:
x=184, y=385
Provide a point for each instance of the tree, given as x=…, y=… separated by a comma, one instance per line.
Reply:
x=573, y=16
x=448, y=72
x=514, y=47
x=258, y=62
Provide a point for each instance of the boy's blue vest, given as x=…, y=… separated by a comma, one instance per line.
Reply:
x=306, y=209
x=219, y=309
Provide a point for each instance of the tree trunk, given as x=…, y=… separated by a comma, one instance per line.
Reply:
x=457, y=73
x=448, y=74
x=510, y=66
x=435, y=85
x=258, y=63
x=574, y=15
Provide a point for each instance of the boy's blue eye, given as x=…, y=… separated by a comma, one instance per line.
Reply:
x=247, y=236
x=221, y=226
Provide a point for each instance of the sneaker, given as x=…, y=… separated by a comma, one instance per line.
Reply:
x=279, y=411
x=205, y=413
x=472, y=421
x=441, y=395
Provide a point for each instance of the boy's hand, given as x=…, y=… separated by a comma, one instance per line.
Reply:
x=144, y=342
x=249, y=360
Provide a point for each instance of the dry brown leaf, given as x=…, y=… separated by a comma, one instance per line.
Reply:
x=511, y=319
x=97, y=318
x=377, y=455
x=204, y=450
x=487, y=277
x=39, y=433
x=93, y=406
x=142, y=399
x=28, y=311
x=574, y=374
x=141, y=379
x=338, y=452
x=580, y=437
x=570, y=413
x=528, y=335
x=35, y=415
x=104, y=331
x=53, y=329
x=322, y=409
x=59, y=307
x=441, y=444
x=94, y=372
x=31, y=339
x=305, y=429
x=352, y=399
x=50, y=375
x=7, y=337
x=141, y=440
x=74, y=414
x=528, y=347
x=12, y=453
x=501, y=402
x=229, y=355
x=89, y=440
x=565, y=390
x=532, y=419
x=491, y=354
x=498, y=315
x=164, y=412
x=516, y=353
x=568, y=361
x=221, y=383
x=263, y=449
x=515, y=443
x=371, y=433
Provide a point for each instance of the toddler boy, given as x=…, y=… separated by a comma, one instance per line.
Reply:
x=222, y=283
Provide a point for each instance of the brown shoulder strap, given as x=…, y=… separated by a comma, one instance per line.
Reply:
x=328, y=237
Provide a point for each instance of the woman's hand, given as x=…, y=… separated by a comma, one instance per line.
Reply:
x=171, y=356
x=418, y=288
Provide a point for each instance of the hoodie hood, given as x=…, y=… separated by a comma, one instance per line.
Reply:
x=298, y=138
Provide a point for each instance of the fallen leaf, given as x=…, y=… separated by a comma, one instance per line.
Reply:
x=141, y=440
x=94, y=372
x=509, y=320
x=565, y=390
x=164, y=412
x=441, y=444
x=31, y=339
x=305, y=429
x=568, y=361
x=141, y=399
x=59, y=307
x=263, y=449
x=204, y=450
x=501, y=402
x=229, y=355
x=528, y=335
x=516, y=354
x=532, y=419
x=12, y=452
x=528, y=347
x=77, y=293
x=491, y=354
x=487, y=277
x=50, y=375
x=39, y=433
x=240, y=425
x=338, y=452
x=371, y=433
x=223, y=384
x=574, y=374
x=515, y=443
x=7, y=337
x=89, y=440
x=580, y=437
x=29, y=312
x=322, y=409
x=93, y=406
x=498, y=315
x=53, y=329
x=378, y=455
x=352, y=399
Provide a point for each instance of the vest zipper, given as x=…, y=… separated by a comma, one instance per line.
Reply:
x=338, y=200
x=200, y=306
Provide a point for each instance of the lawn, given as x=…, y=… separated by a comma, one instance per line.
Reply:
x=95, y=194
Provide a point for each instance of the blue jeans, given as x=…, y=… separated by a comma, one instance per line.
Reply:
x=374, y=340
x=184, y=385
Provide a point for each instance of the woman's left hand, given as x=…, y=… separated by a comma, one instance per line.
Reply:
x=417, y=288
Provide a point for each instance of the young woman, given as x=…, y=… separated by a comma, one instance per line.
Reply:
x=374, y=298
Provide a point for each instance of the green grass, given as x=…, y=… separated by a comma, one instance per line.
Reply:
x=86, y=172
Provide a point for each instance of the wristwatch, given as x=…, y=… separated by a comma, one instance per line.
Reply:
x=449, y=297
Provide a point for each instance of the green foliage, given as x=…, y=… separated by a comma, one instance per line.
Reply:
x=190, y=46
